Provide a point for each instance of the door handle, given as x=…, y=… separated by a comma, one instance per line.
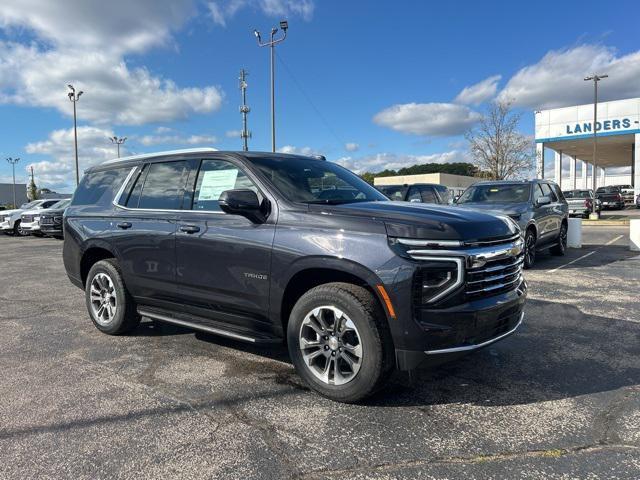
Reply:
x=124, y=225
x=189, y=229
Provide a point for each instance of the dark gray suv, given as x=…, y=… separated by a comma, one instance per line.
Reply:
x=538, y=206
x=267, y=248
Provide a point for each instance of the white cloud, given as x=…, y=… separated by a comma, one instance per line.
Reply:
x=298, y=150
x=114, y=93
x=351, y=147
x=84, y=43
x=203, y=140
x=383, y=161
x=433, y=119
x=557, y=79
x=479, y=92
x=58, y=173
x=221, y=10
x=233, y=133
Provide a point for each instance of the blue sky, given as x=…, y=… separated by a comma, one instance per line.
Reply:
x=369, y=84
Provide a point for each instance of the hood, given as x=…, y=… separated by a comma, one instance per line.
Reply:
x=9, y=212
x=32, y=211
x=53, y=211
x=428, y=221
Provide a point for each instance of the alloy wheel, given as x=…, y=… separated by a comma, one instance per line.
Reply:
x=330, y=345
x=530, y=249
x=103, y=299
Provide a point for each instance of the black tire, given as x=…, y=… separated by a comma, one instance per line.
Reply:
x=376, y=361
x=560, y=248
x=125, y=317
x=17, y=230
x=529, y=248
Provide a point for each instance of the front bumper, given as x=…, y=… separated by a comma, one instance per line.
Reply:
x=51, y=229
x=449, y=333
x=31, y=227
x=5, y=226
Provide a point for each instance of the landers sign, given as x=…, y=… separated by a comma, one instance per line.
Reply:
x=587, y=127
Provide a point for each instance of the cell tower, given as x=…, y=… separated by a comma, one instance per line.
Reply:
x=244, y=110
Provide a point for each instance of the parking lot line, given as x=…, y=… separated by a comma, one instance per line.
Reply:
x=614, y=240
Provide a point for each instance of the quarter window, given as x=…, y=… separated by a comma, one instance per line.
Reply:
x=99, y=188
x=548, y=192
x=163, y=186
x=216, y=176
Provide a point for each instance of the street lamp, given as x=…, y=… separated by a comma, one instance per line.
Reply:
x=284, y=26
x=595, y=78
x=118, y=141
x=74, y=97
x=13, y=162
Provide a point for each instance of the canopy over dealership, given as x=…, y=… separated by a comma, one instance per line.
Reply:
x=569, y=133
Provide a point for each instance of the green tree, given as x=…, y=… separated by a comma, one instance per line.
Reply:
x=32, y=190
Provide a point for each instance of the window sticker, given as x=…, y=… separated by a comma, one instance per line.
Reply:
x=214, y=182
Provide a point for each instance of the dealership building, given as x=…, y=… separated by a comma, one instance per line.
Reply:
x=565, y=135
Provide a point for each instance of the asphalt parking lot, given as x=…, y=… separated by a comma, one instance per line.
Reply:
x=559, y=399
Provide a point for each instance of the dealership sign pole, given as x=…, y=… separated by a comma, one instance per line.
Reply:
x=596, y=78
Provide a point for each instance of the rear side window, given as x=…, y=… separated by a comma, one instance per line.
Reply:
x=99, y=188
x=163, y=186
x=428, y=195
x=558, y=192
x=548, y=192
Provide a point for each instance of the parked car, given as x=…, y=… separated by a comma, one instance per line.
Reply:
x=581, y=202
x=417, y=193
x=30, y=219
x=638, y=201
x=537, y=205
x=627, y=193
x=11, y=221
x=240, y=244
x=51, y=219
x=611, y=197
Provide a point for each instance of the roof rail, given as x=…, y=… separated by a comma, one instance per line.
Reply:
x=158, y=154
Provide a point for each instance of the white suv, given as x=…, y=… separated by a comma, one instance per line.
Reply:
x=11, y=220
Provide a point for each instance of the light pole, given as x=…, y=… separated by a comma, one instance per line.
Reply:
x=74, y=97
x=595, y=78
x=13, y=162
x=118, y=141
x=284, y=26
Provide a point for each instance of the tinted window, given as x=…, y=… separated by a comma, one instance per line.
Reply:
x=48, y=203
x=578, y=194
x=445, y=193
x=214, y=177
x=546, y=189
x=99, y=188
x=163, y=186
x=608, y=190
x=556, y=189
x=414, y=195
x=537, y=192
x=394, y=192
x=498, y=193
x=134, y=195
x=306, y=180
x=428, y=195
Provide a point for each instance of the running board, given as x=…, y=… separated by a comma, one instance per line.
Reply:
x=200, y=327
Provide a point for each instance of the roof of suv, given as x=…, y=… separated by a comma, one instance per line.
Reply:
x=511, y=182
x=134, y=159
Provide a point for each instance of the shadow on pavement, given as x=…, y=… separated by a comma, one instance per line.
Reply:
x=604, y=255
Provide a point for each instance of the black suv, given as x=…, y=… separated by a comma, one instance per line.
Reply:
x=252, y=247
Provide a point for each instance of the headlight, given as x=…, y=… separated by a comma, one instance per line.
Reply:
x=36, y=219
x=437, y=278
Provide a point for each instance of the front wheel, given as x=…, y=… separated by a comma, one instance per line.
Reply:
x=110, y=305
x=529, y=249
x=18, y=230
x=561, y=248
x=339, y=341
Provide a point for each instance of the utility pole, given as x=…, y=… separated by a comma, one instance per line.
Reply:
x=13, y=162
x=118, y=141
x=73, y=97
x=244, y=110
x=595, y=78
x=284, y=25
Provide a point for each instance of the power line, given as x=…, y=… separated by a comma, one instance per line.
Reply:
x=308, y=98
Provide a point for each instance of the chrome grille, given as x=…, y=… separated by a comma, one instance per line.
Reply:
x=494, y=277
x=46, y=220
x=27, y=218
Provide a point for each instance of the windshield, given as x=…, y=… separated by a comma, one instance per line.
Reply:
x=25, y=206
x=306, y=180
x=61, y=204
x=394, y=192
x=608, y=190
x=514, y=193
x=577, y=194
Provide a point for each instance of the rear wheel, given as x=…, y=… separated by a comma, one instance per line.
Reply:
x=561, y=248
x=110, y=305
x=339, y=342
x=529, y=249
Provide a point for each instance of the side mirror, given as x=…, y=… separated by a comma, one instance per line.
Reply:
x=545, y=200
x=242, y=202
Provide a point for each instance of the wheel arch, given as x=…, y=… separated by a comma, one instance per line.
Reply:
x=93, y=253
